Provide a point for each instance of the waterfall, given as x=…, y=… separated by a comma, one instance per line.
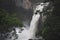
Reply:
x=34, y=24
x=26, y=34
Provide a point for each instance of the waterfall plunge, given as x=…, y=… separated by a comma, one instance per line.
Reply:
x=28, y=34
x=34, y=24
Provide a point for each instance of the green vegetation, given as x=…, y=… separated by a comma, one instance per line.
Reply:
x=51, y=29
x=8, y=21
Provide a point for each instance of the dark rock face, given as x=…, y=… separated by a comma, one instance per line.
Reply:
x=8, y=5
x=11, y=5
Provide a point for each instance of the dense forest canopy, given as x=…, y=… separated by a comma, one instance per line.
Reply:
x=8, y=21
x=8, y=16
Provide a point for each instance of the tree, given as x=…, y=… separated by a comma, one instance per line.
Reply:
x=8, y=21
x=51, y=29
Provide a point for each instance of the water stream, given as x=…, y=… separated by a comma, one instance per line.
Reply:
x=26, y=34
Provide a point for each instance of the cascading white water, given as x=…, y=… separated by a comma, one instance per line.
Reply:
x=30, y=33
x=34, y=24
x=35, y=19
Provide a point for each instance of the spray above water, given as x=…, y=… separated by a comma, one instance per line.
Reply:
x=26, y=34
